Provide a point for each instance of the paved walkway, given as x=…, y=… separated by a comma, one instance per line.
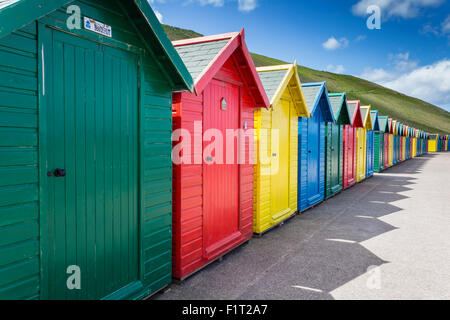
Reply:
x=396, y=225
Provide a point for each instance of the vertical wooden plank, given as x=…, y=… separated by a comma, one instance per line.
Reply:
x=141, y=169
x=100, y=256
x=132, y=170
x=80, y=162
x=124, y=187
x=65, y=215
x=116, y=150
x=109, y=140
x=91, y=105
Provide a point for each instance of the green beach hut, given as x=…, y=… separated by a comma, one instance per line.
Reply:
x=85, y=149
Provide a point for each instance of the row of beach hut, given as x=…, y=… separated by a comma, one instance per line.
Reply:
x=93, y=204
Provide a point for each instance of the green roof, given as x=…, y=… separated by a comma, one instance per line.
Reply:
x=384, y=124
x=340, y=109
x=271, y=80
x=336, y=103
x=17, y=14
x=198, y=56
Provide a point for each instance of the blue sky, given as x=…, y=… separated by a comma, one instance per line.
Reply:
x=410, y=53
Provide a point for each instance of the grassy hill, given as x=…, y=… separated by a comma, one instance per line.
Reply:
x=411, y=111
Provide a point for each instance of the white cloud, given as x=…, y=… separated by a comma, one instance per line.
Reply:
x=339, y=69
x=402, y=63
x=399, y=64
x=157, y=13
x=446, y=26
x=243, y=5
x=215, y=3
x=247, y=5
x=334, y=44
x=361, y=38
x=377, y=75
x=395, y=8
x=430, y=83
x=428, y=28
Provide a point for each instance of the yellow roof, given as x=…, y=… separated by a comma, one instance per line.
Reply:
x=290, y=81
x=367, y=119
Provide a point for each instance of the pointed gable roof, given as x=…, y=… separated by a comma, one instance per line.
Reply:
x=17, y=14
x=277, y=79
x=314, y=94
x=384, y=124
x=367, y=119
x=354, y=107
x=205, y=56
x=391, y=125
x=394, y=127
x=375, y=120
x=340, y=108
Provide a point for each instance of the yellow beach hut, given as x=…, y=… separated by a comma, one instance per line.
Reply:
x=391, y=143
x=361, y=140
x=396, y=142
x=433, y=142
x=276, y=138
x=414, y=143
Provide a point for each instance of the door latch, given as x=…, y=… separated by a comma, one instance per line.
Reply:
x=59, y=173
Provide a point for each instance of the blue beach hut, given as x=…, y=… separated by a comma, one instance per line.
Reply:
x=311, y=140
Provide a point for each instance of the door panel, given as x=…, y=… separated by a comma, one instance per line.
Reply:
x=221, y=181
x=280, y=159
x=313, y=155
x=92, y=134
x=351, y=156
x=335, y=153
x=361, y=150
x=369, y=152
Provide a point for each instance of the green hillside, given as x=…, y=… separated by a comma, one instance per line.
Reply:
x=411, y=111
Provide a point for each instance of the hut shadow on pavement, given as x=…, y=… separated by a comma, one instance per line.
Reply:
x=313, y=254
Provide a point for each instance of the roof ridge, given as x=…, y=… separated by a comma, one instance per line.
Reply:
x=275, y=67
x=205, y=39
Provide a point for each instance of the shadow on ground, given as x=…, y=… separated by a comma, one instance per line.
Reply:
x=314, y=253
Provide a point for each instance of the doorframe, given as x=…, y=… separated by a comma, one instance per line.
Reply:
x=45, y=42
x=45, y=55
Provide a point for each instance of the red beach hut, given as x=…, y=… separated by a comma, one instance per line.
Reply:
x=213, y=194
x=349, y=172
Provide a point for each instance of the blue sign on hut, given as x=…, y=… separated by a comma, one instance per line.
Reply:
x=312, y=145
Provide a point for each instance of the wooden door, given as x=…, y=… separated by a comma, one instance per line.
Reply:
x=92, y=167
x=221, y=179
